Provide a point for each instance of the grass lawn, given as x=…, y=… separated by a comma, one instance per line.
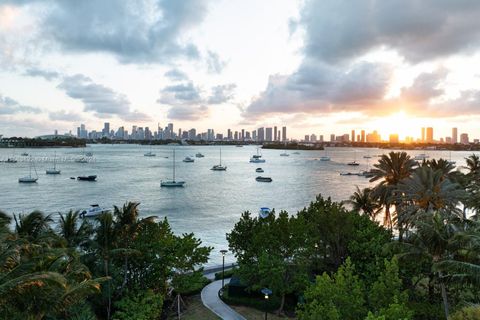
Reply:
x=195, y=310
x=254, y=314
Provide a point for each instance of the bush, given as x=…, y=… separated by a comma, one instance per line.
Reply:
x=228, y=274
x=467, y=313
x=255, y=301
x=146, y=305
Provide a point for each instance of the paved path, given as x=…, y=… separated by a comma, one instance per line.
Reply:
x=211, y=300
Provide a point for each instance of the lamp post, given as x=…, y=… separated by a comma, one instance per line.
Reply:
x=223, y=265
x=266, y=292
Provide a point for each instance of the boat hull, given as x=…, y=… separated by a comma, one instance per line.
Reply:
x=27, y=180
x=264, y=179
x=52, y=171
x=172, y=184
x=87, y=178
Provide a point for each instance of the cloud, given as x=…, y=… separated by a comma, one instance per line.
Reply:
x=63, y=115
x=184, y=112
x=102, y=101
x=180, y=94
x=222, y=93
x=339, y=31
x=8, y=106
x=320, y=88
x=145, y=31
x=214, y=63
x=176, y=75
x=46, y=74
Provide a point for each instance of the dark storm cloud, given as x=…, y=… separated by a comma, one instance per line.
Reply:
x=96, y=98
x=10, y=106
x=222, y=93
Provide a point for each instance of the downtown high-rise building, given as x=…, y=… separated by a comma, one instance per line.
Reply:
x=429, y=133
x=275, y=133
x=362, y=136
x=284, y=133
x=261, y=134
x=353, y=136
x=464, y=138
x=423, y=135
x=268, y=134
x=454, y=135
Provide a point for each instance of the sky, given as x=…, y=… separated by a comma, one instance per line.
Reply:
x=315, y=66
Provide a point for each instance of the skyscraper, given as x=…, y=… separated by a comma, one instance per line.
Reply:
x=464, y=138
x=332, y=137
x=275, y=133
x=229, y=134
x=106, y=129
x=284, y=133
x=353, y=136
x=430, y=134
x=268, y=134
x=261, y=134
x=454, y=135
x=362, y=137
x=423, y=134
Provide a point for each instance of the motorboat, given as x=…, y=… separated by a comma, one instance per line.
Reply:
x=263, y=179
x=239, y=146
x=87, y=178
x=89, y=154
x=296, y=152
x=94, y=211
x=188, y=159
x=284, y=154
x=81, y=160
x=324, y=158
x=24, y=154
x=367, y=157
x=421, y=156
x=259, y=170
x=350, y=173
x=264, y=212
x=172, y=183
x=353, y=163
x=219, y=167
x=199, y=155
x=149, y=154
x=53, y=170
x=29, y=178
x=10, y=160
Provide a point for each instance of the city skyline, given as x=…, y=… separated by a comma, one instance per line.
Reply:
x=197, y=63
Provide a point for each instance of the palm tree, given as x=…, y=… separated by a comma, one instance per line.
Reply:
x=427, y=190
x=71, y=231
x=390, y=170
x=446, y=167
x=473, y=165
x=364, y=201
x=32, y=225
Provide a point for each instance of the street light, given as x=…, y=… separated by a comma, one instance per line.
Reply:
x=266, y=292
x=223, y=265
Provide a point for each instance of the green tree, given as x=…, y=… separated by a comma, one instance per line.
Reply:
x=363, y=200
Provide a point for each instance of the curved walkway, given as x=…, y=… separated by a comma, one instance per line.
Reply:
x=212, y=301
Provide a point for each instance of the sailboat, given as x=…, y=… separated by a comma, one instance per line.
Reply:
x=173, y=182
x=149, y=153
x=354, y=162
x=29, y=178
x=284, y=154
x=219, y=167
x=325, y=157
x=450, y=158
x=53, y=170
x=256, y=158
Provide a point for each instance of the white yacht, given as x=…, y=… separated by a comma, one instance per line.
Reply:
x=219, y=167
x=257, y=158
x=188, y=159
x=93, y=211
x=53, y=170
x=29, y=178
x=199, y=155
x=324, y=158
x=173, y=182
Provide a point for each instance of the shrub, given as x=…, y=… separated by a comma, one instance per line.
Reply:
x=145, y=305
x=467, y=313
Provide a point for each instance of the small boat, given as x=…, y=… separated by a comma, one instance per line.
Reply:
x=353, y=163
x=88, y=154
x=263, y=179
x=257, y=158
x=24, y=154
x=367, y=157
x=284, y=154
x=264, y=212
x=149, y=154
x=188, y=159
x=259, y=170
x=350, y=173
x=239, y=146
x=10, y=160
x=199, y=155
x=87, y=178
x=81, y=160
x=53, y=170
x=172, y=183
x=324, y=158
x=219, y=167
x=93, y=211
x=29, y=178
x=421, y=156
x=296, y=152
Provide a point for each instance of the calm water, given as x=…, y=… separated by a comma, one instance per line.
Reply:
x=209, y=204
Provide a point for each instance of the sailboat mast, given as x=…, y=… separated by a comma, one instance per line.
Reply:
x=173, y=164
x=55, y=160
x=30, y=166
x=220, y=156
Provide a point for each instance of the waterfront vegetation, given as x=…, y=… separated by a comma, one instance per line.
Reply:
x=406, y=248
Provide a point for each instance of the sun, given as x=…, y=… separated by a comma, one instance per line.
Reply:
x=397, y=123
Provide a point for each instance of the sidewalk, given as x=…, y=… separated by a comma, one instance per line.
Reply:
x=212, y=301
